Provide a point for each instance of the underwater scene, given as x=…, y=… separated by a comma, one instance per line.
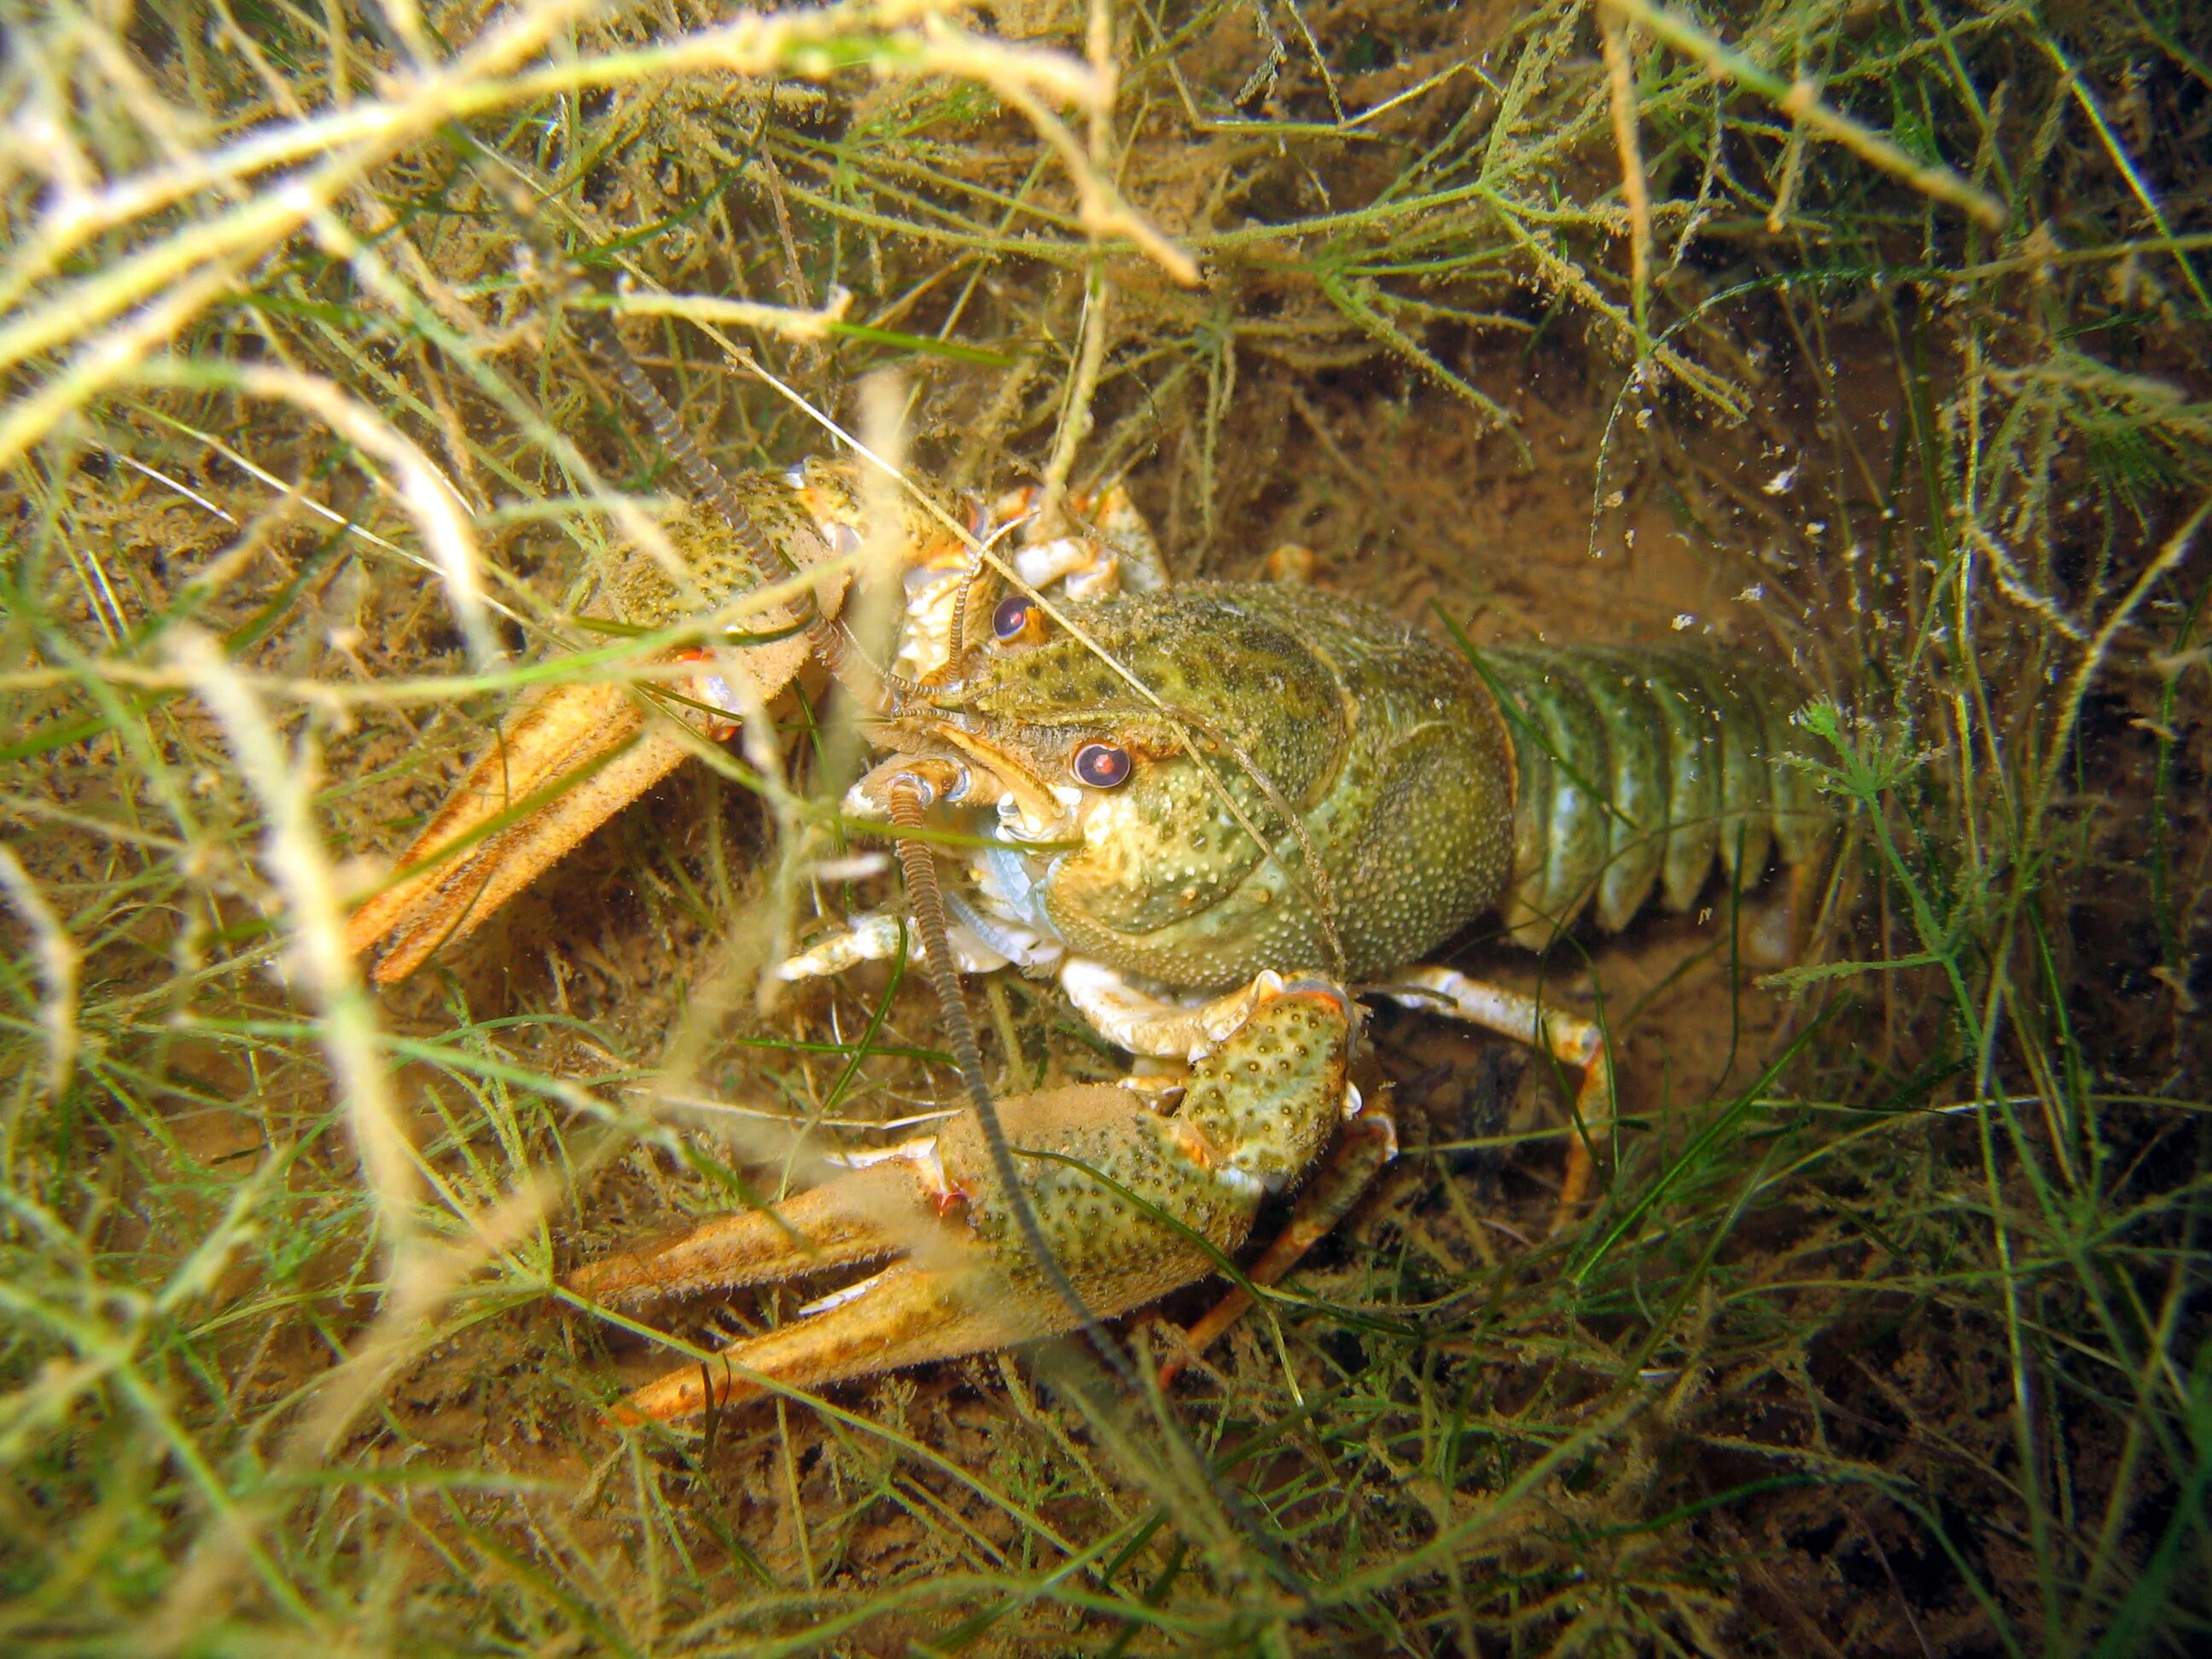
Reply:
x=1154, y=827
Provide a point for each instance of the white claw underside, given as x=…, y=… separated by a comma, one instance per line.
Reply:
x=822, y=1304
x=920, y=1151
x=1145, y=1023
x=1088, y=567
x=873, y=936
x=1161, y=1091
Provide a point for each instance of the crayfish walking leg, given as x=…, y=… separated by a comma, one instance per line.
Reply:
x=1568, y=1038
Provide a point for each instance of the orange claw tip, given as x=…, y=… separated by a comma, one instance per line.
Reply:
x=564, y=762
x=687, y=1392
x=910, y=1315
x=560, y=766
x=853, y=1219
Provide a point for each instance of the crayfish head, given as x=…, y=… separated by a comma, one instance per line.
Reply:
x=1045, y=728
x=1163, y=742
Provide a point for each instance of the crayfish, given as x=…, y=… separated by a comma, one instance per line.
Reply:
x=1219, y=814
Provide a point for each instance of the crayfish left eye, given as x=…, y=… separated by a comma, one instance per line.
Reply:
x=1017, y=617
x=1101, y=765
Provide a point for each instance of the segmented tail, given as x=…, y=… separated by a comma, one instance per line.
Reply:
x=1639, y=765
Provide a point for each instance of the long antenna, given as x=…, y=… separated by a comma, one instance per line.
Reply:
x=828, y=639
x=918, y=863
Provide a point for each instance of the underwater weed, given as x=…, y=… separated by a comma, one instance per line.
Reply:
x=304, y=469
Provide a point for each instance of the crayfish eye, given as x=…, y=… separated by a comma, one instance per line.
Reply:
x=1014, y=618
x=1101, y=765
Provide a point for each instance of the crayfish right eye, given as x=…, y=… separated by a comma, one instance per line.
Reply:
x=1101, y=765
x=1017, y=617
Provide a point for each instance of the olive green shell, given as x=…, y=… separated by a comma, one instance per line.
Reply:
x=1266, y=701
x=640, y=589
x=1426, y=789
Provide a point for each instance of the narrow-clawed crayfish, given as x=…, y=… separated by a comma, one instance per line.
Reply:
x=1218, y=813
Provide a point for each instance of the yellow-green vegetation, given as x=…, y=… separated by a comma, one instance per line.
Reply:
x=1873, y=336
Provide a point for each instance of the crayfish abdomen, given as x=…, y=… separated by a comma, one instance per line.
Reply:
x=1638, y=766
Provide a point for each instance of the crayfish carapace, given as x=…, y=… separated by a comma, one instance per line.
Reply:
x=1220, y=814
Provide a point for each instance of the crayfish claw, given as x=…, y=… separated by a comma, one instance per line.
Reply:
x=1132, y=1204
x=853, y=1219
x=908, y=1315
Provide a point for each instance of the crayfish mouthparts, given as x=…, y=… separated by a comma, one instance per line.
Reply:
x=968, y=769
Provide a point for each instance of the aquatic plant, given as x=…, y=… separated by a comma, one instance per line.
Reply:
x=1874, y=335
